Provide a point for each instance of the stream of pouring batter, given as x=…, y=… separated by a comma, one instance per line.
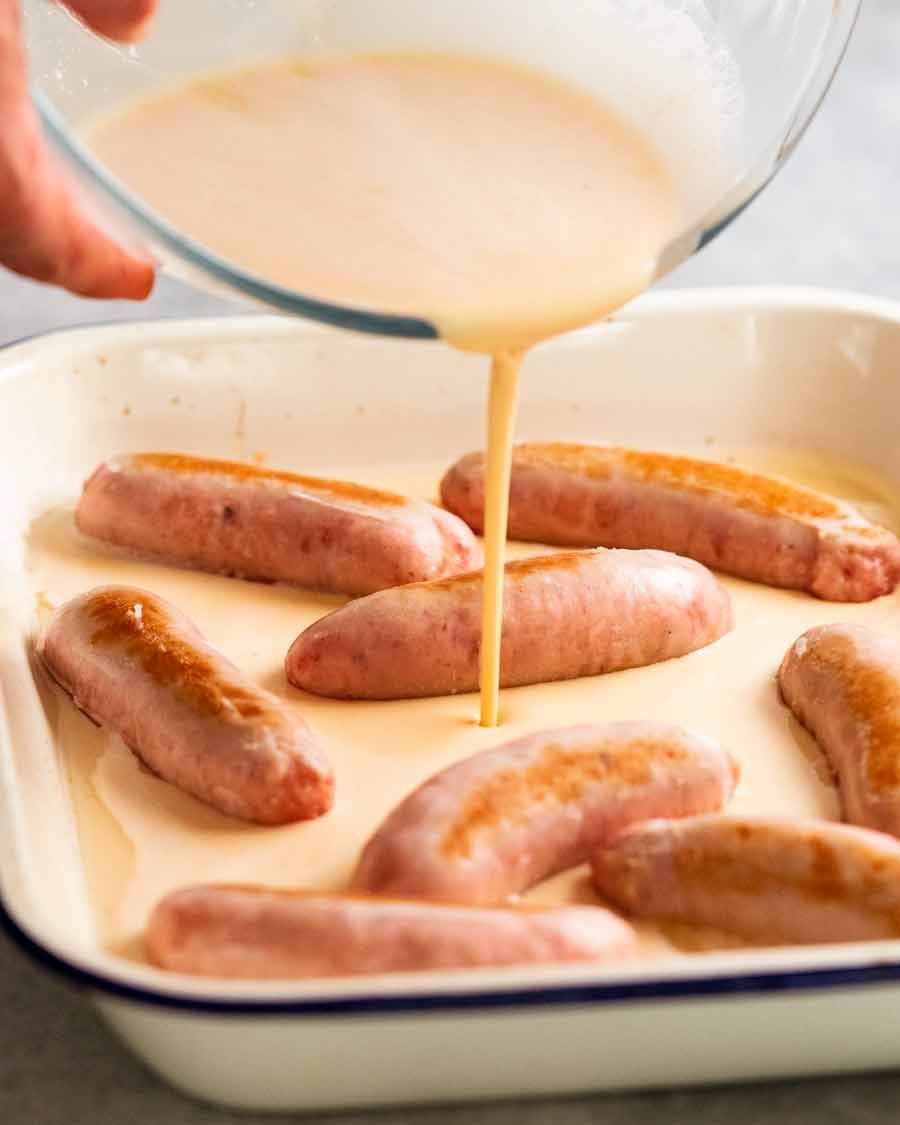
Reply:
x=493, y=199
x=502, y=402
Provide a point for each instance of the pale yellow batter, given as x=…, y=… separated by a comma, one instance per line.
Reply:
x=491, y=198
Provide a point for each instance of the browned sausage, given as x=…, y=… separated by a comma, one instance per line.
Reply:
x=257, y=934
x=134, y=663
x=843, y=683
x=564, y=616
x=249, y=522
x=500, y=821
x=761, y=878
x=734, y=521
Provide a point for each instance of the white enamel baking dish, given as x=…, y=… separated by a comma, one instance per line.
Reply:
x=783, y=368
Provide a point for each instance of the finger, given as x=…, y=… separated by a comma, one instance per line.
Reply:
x=125, y=20
x=43, y=235
x=13, y=73
x=42, y=232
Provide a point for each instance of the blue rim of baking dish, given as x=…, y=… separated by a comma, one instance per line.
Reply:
x=544, y=996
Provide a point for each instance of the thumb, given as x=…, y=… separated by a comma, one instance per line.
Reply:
x=44, y=234
x=125, y=20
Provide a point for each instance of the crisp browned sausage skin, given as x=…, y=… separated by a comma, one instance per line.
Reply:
x=564, y=616
x=136, y=664
x=250, y=522
x=738, y=522
x=762, y=878
x=496, y=823
x=843, y=683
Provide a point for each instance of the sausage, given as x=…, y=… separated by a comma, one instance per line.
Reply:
x=500, y=821
x=249, y=522
x=252, y=933
x=761, y=878
x=564, y=616
x=843, y=683
x=134, y=663
x=733, y=521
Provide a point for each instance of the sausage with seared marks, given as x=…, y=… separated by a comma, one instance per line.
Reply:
x=249, y=522
x=738, y=522
x=136, y=664
x=761, y=878
x=564, y=616
x=843, y=684
x=502, y=820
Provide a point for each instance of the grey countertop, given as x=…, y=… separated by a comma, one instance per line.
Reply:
x=829, y=220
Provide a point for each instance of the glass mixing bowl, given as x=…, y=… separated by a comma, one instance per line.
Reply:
x=680, y=68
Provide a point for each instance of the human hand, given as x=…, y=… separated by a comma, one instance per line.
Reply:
x=43, y=233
